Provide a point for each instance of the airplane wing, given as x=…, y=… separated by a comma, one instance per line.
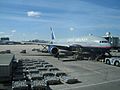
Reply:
x=60, y=46
x=56, y=45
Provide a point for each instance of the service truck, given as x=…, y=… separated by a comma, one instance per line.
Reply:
x=113, y=61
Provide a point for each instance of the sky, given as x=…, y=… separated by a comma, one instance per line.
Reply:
x=32, y=19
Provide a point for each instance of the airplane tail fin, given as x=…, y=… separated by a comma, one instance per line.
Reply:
x=52, y=35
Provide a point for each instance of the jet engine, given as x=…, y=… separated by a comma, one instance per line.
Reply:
x=53, y=50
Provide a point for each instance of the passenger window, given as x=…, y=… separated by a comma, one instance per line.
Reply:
x=103, y=41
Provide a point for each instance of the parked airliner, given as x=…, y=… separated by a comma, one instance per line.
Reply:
x=93, y=44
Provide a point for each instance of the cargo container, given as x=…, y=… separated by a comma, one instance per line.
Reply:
x=6, y=67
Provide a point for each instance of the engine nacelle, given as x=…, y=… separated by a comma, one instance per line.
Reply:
x=53, y=50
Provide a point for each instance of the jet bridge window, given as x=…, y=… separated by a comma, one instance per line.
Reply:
x=103, y=41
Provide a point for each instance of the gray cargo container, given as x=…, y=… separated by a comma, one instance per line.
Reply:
x=6, y=67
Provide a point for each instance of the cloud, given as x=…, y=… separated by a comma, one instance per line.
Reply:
x=8, y=35
x=71, y=29
x=13, y=31
x=24, y=34
x=36, y=33
x=111, y=16
x=33, y=14
x=2, y=32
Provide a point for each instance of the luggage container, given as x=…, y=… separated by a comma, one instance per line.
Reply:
x=52, y=80
x=19, y=85
x=47, y=73
x=36, y=76
x=33, y=71
x=39, y=85
x=39, y=65
x=42, y=69
x=69, y=80
x=44, y=63
x=18, y=77
x=53, y=69
x=48, y=65
x=60, y=74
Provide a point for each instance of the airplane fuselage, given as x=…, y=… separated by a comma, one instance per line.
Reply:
x=93, y=44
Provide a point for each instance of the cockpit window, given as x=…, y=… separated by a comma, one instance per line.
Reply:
x=103, y=41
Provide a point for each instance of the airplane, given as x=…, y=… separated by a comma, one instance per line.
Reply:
x=95, y=45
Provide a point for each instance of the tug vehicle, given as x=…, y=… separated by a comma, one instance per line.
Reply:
x=113, y=61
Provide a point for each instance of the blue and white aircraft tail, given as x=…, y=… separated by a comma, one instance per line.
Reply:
x=52, y=35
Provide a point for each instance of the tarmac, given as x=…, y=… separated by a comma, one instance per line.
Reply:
x=92, y=75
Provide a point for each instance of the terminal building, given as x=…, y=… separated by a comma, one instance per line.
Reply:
x=4, y=39
x=7, y=41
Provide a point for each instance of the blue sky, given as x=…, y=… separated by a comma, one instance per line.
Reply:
x=31, y=19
